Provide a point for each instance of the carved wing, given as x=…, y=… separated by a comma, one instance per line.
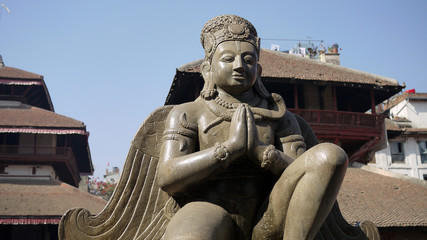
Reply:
x=138, y=208
x=335, y=226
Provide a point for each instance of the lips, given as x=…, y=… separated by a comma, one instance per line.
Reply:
x=239, y=77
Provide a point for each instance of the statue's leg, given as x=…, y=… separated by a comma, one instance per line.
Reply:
x=200, y=220
x=303, y=196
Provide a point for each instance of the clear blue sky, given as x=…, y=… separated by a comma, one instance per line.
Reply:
x=110, y=63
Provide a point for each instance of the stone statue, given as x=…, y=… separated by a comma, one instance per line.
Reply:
x=233, y=164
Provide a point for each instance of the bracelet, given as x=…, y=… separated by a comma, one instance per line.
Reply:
x=270, y=154
x=222, y=154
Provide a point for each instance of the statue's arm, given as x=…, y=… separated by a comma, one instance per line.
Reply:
x=289, y=145
x=181, y=165
x=275, y=157
x=272, y=159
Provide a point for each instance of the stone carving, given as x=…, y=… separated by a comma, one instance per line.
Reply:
x=234, y=164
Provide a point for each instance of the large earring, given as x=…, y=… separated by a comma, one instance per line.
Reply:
x=259, y=86
x=209, y=89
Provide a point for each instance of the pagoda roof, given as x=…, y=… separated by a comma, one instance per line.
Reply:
x=283, y=65
x=24, y=86
x=16, y=73
x=280, y=69
x=17, y=116
x=41, y=200
x=21, y=118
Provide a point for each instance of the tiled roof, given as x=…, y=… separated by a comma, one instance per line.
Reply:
x=43, y=198
x=391, y=125
x=29, y=116
x=395, y=126
x=282, y=65
x=416, y=130
x=386, y=201
x=10, y=72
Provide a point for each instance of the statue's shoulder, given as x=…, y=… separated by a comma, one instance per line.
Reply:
x=292, y=124
x=287, y=124
x=191, y=112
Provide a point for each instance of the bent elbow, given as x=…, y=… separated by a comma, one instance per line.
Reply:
x=166, y=184
x=171, y=189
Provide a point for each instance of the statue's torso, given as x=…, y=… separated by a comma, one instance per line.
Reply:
x=243, y=178
x=242, y=187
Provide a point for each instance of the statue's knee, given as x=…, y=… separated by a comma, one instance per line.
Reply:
x=200, y=220
x=328, y=154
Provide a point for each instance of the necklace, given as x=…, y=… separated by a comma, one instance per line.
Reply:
x=232, y=103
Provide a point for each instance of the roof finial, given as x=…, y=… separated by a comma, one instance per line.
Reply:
x=1, y=62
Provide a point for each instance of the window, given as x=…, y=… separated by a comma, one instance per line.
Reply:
x=9, y=139
x=3, y=169
x=9, y=142
x=397, y=153
x=423, y=151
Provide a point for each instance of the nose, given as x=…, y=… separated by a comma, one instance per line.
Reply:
x=238, y=64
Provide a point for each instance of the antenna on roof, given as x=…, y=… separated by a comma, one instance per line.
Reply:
x=292, y=40
x=308, y=39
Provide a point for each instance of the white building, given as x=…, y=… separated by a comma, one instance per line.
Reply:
x=406, y=151
x=112, y=177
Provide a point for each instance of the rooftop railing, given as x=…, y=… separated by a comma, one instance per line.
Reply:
x=18, y=150
x=42, y=155
x=351, y=119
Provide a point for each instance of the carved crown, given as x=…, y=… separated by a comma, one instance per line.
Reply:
x=227, y=28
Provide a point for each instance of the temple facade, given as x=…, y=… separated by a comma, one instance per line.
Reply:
x=42, y=157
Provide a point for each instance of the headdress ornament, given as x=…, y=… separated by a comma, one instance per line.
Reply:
x=227, y=28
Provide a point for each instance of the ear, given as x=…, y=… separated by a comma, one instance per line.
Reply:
x=259, y=87
x=205, y=68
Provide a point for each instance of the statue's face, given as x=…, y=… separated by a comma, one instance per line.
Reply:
x=234, y=66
